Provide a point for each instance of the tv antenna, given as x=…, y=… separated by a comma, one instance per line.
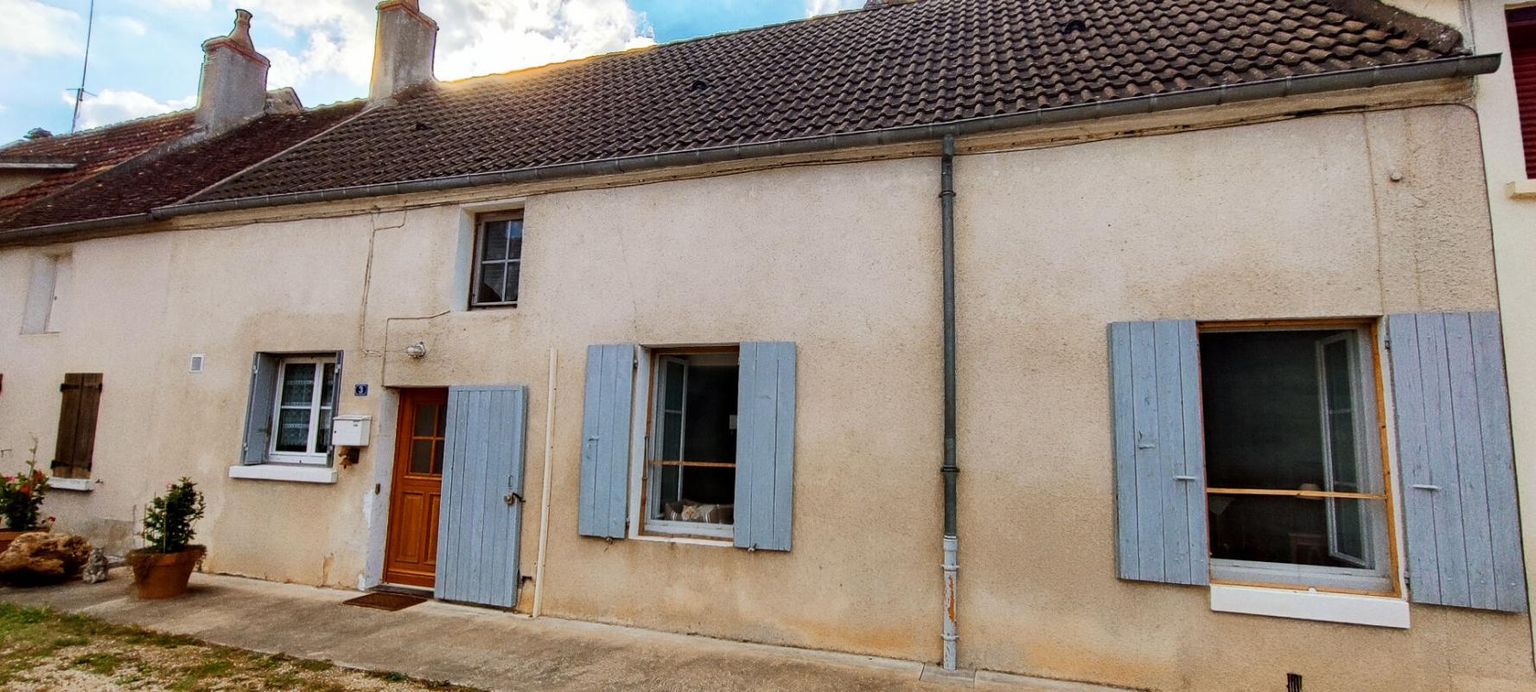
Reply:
x=80, y=92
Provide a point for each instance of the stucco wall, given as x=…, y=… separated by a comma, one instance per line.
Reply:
x=1291, y=219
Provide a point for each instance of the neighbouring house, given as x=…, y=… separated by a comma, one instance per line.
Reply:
x=1199, y=297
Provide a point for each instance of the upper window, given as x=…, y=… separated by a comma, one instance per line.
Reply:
x=1522, y=58
x=498, y=261
x=305, y=399
x=690, y=467
x=48, y=295
x=1296, y=484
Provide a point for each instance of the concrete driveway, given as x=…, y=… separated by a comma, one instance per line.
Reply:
x=485, y=648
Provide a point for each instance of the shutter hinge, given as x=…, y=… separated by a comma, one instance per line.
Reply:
x=1387, y=343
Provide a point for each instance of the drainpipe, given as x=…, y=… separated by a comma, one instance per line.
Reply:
x=950, y=469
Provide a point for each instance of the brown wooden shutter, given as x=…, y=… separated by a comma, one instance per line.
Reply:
x=81, y=394
x=1522, y=59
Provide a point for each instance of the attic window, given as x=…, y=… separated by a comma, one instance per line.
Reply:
x=698, y=85
x=1074, y=26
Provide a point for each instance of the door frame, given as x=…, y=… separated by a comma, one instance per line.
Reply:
x=403, y=416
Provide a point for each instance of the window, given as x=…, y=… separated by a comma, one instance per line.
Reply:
x=1296, y=489
x=47, y=296
x=1522, y=58
x=302, y=411
x=498, y=261
x=690, y=463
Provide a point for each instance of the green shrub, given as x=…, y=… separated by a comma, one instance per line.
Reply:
x=168, y=520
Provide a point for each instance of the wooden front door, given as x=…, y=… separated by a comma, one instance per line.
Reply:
x=415, y=500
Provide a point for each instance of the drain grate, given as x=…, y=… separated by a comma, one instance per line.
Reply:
x=384, y=600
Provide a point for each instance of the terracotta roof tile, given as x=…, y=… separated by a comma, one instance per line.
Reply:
x=923, y=62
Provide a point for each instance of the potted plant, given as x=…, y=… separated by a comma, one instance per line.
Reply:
x=162, y=567
x=21, y=502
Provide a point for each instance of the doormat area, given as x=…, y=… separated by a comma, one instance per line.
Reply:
x=384, y=600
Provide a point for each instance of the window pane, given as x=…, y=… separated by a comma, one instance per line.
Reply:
x=437, y=457
x=492, y=282
x=328, y=385
x=514, y=273
x=293, y=430
x=493, y=241
x=1292, y=530
x=675, y=376
x=515, y=241
x=421, y=456
x=323, y=432
x=670, y=493
x=671, y=436
x=299, y=384
x=426, y=420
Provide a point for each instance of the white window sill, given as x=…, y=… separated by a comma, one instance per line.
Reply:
x=686, y=540
x=79, y=485
x=1521, y=189
x=292, y=473
x=1374, y=611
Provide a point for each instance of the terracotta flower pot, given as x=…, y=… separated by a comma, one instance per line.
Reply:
x=164, y=575
x=7, y=536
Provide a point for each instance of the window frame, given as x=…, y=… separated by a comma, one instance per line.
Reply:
x=1369, y=382
x=649, y=439
x=316, y=408
x=477, y=263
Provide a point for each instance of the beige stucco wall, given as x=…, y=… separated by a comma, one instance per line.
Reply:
x=1288, y=219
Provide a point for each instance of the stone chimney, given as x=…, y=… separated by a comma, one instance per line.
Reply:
x=234, y=86
x=402, y=49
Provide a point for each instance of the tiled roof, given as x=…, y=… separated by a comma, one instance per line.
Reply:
x=93, y=152
x=915, y=63
x=135, y=187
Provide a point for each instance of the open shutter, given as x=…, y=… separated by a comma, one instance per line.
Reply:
x=330, y=449
x=765, y=446
x=1457, y=460
x=480, y=523
x=1159, y=442
x=605, y=437
x=258, y=413
x=80, y=396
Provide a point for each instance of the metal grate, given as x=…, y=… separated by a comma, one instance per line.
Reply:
x=384, y=600
x=1292, y=682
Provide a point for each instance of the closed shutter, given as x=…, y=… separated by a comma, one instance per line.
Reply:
x=480, y=524
x=258, y=412
x=1522, y=60
x=1160, y=510
x=76, y=441
x=1457, y=461
x=765, y=446
x=605, y=435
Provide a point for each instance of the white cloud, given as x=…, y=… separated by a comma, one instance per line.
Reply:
x=114, y=105
x=815, y=7
x=129, y=25
x=476, y=36
x=33, y=28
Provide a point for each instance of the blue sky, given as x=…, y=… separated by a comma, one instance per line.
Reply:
x=145, y=53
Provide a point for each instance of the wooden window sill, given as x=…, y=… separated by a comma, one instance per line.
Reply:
x=1521, y=189
x=78, y=485
x=1351, y=609
x=291, y=473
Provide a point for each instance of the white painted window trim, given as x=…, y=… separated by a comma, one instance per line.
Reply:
x=317, y=409
x=79, y=485
x=1351, y=609
x=293, y=473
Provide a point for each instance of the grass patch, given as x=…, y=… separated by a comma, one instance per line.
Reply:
x=51, y=650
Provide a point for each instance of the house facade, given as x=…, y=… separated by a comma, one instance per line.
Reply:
x=1213, y=359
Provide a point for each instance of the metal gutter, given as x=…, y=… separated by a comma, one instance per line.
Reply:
x=1443, y=68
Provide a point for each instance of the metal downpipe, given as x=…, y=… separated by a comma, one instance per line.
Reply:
x=950, y=469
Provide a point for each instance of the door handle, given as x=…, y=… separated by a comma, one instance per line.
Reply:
x=512, y=499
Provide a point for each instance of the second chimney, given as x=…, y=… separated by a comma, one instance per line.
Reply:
x=234, y=82
x=402, y=49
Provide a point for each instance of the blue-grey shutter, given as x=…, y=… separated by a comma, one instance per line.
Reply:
x=1160, y=508
x=258, y=410
x=330, y=449
x=605, y=437
x=480, y=521
x=1456, y=460
x=765, y=446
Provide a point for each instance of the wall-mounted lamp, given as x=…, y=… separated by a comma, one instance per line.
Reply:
x=417, y=350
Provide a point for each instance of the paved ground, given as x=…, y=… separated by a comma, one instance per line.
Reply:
x=484, y=648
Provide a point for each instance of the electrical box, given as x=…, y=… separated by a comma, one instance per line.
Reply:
x=350, y=431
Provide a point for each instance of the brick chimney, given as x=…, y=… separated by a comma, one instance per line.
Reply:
x=402, y=49
x=234, y=81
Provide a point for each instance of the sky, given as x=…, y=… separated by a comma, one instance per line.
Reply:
x=145, y=54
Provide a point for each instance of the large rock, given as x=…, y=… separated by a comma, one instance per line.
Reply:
x=43, y=558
